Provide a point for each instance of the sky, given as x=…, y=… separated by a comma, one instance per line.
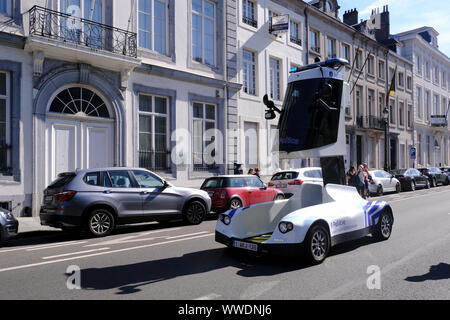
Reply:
x=407, y=15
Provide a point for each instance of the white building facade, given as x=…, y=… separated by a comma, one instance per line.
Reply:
x=95, y=83
x=432, y=96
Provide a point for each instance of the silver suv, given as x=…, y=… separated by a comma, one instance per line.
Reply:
x=100, y=199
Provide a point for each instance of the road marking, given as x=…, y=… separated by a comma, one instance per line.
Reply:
x=38, y=246
x=130, y=239
x=74, y=253
x=102, y=253
x=72, y=243
x=418, y=196
x=211, y=296
x=186, y=235
x=258, y=289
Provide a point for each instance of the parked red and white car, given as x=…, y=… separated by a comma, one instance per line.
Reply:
x=289, y=181
x=236, y=191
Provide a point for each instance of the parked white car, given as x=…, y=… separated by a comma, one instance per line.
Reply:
x=382, y=182
x=290, y=181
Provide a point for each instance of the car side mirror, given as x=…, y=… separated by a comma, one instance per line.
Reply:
x=264, y=187
x=165, y=184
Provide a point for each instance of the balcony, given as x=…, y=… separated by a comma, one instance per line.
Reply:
x=370, y=122
x=438, y=121
x=60, y=35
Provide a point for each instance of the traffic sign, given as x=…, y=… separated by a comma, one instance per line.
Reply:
x=412, y=153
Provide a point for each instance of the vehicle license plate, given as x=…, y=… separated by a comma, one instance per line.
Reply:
x=48, y=198
x=245, y=245
x=282, y=186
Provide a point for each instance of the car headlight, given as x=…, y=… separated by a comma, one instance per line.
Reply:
x=225, y=219
x=7, y=215
x=285, y=227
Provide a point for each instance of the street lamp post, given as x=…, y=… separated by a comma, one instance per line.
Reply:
x=386, y=149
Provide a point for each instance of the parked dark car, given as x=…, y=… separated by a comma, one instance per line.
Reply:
x=9, y=226
x=435, y=175
x=446, y=171
x=100, y=199
x=232, y=192
x=411, y=178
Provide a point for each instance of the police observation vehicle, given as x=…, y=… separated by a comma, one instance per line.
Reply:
x=316, y=217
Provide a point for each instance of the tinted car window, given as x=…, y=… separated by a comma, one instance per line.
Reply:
x=147, y=180
x=285, y=175
x=211, y=183
x=254, y=182
x=92, y=178
x=62, y=180
x=120, y=179
x=235, y=183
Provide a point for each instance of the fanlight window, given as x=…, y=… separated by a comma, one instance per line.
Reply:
x=79, y=101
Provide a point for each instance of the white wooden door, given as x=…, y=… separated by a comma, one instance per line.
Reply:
x=75, y=145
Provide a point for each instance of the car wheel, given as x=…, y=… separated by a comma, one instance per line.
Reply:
x=279, y=197
x=100, y=223
x=195, y=212
x=398, y=188
x=380, y=190
x=413, y=186
x=317, y=244
x=447, y=181
x=235, y=204
x=384, y=227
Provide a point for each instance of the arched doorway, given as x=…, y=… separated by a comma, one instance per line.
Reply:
x=79, y=131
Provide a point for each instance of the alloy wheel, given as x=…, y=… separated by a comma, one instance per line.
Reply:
x=319, y=245
x=101, y=223
x=195, y=213
x=386, y=226
x=235, y=204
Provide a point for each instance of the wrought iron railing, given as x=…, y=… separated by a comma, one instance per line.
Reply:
x=60, y=26
x=296, y=40
x=154, y=160
x=370, y=122
x=250, y=21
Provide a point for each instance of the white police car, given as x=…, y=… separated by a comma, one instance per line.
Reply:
x=312, y=221
x=315, y=218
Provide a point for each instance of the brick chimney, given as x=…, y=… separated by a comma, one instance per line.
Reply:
x=384, y=33
x=351, y=17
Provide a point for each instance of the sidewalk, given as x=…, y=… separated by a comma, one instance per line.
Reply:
x=31, y=225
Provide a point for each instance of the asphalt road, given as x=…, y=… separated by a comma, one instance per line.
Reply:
x=175, y=261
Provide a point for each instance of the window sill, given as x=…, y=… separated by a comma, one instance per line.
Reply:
x=150, y=54
x=250, y=97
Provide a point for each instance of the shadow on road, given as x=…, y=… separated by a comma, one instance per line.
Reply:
x=49, y=237
x=437, y=272
x=128, y=279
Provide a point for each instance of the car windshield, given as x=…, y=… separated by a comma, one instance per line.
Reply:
x=305, y=123
x=285, y=175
